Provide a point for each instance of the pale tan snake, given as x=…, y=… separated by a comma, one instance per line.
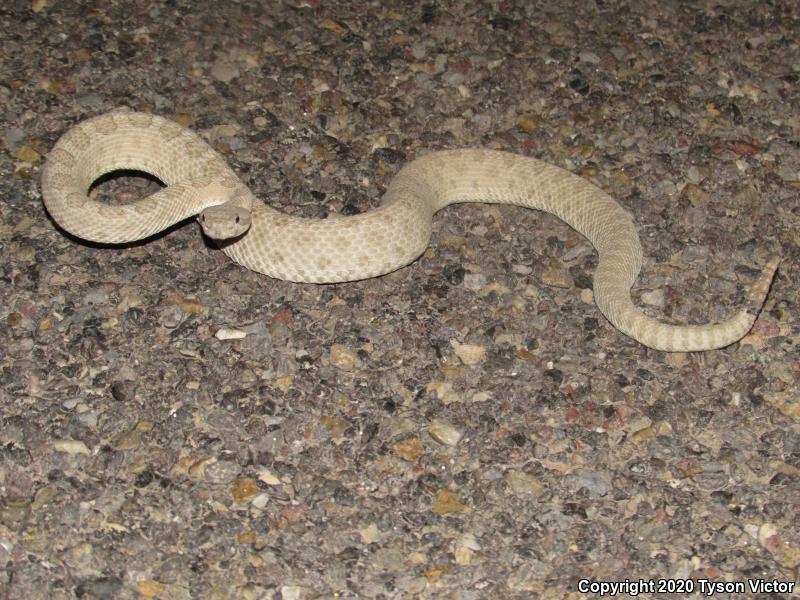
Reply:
x=199, y=182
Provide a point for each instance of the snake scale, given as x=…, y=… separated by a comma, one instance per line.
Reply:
x=199, y=183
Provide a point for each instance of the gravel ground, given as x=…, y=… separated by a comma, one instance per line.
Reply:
x=467, y=427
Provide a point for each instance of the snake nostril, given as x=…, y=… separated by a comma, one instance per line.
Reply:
x=237, y=220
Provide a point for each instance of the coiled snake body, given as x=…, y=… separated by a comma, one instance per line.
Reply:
x=199, y=182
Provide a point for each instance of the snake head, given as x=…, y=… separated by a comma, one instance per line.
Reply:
x=225, y=221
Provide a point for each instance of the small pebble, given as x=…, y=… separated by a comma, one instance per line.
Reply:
x=444, y=433
x=230, y=333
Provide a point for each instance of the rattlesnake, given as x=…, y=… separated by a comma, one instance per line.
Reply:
x=199, y=182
